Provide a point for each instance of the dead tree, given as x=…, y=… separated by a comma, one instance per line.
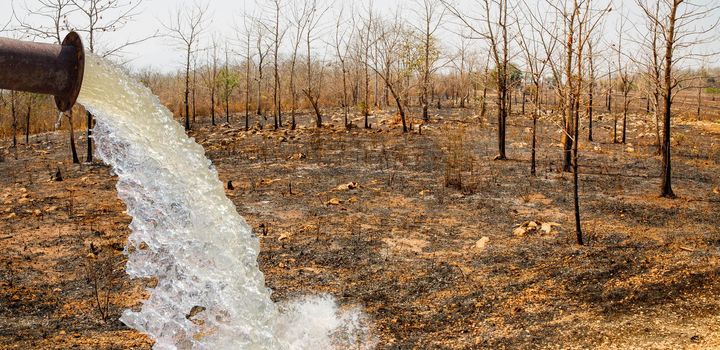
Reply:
x=313, y=87
x=104, y=16
x=366, y=43
x=210, y=77
x=277, y=36
x=247, y=38
x=461, y=64
x=680, y=27
x=343, y=37
x=626, y=81
x=263, y=49
x=494, y=29
x=185, y=28
x=536, y=60
x=431, y=15
x=398, y=58
x=228, y=81
x=299, y=19
x=576, y=21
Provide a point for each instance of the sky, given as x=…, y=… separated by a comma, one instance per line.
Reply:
x=225, y=16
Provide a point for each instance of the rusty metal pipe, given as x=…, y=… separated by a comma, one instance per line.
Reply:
x=44, y=68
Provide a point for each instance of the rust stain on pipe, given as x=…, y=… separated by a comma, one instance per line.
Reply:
x=44, y=68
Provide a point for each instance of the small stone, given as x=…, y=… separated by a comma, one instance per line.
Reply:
x=333, y=201
x=482, y=243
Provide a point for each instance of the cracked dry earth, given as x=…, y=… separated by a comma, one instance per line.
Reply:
x=443, y=247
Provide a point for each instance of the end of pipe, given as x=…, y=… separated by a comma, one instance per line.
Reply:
x=76, y=72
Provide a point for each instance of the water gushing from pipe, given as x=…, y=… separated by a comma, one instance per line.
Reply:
x=186, y=233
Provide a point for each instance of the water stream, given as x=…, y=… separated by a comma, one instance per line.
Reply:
x=187, y=234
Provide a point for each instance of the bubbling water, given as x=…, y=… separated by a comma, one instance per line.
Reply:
x=187, y=234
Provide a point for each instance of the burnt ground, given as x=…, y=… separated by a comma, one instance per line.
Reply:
x=427, y=242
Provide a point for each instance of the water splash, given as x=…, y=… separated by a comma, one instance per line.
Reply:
x=210, y=293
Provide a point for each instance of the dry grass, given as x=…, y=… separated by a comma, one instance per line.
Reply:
x=402, y=244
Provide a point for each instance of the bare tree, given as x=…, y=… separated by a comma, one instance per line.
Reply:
x=493, y=27
x=572, y=30
x=367, y=28
x=211, y=77
x=45, y=19
x=342, y=44
x=263, y=49
x=536, y=60
x=185, y=27
x=677, y=26
x=277, y=36
x=592, y=83
x=431, y=14
x=398, y=58
x=247, y=38
x=228, y=81
x=193, y=86
x=626, y=81
x=299, y=23
x=314, y=80
x=460, y=62
x=103, y=16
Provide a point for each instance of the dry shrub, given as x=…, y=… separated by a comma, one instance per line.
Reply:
x=459, y=159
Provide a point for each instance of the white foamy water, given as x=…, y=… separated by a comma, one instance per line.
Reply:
x=210, y=293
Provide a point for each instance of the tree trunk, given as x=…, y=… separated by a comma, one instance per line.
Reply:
x=27, y=123
x=187, y=91
x=576, y=187
x=73, y=150
x=590, y=108
x=625, y=113
x=90, y=122
x=13, y=110
x=666, y=185
x=212, y=106
x=536, y=113
x=398, y=102
x=699, y=102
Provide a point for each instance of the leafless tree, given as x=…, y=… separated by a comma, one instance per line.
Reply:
x=537, y=57
x=493, y=27
x=185, y=27
x=593, y=43
x=364, y=58
x=299, y=23
x=103, y=16
x=572, y=30
x=273, y=26
x=342, y=39
x=262, y=46
x=626, y=81
x=246, y=40
x=431, y=13
x=45, y=19
x=228, y=81
x=211, y=76
x=676, y=22
x=398, y=57
x=314, y=79
x=460, y=61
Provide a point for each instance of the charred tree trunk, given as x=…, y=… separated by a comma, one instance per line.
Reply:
x=90, y=124
x=666, y=185
x=27, y=123
x=73, y=150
